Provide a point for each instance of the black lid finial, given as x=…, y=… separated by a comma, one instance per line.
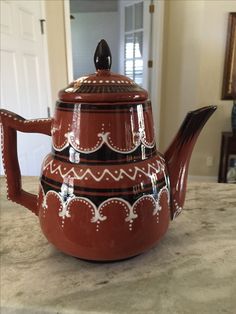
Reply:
x=102, y=56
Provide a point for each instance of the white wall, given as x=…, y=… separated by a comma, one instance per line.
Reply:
x=87, y=30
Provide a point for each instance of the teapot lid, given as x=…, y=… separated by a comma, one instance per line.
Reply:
x=103, y=85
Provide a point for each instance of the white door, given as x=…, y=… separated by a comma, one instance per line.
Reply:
x=24, y=75
x=135, y=40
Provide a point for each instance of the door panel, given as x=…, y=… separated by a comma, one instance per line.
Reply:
x=27, y=25
x=9, y=99
x=32, y=91
x=23, y=72
x=6, y=21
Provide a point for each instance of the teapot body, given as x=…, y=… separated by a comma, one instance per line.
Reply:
x=104, y=189
x=105, y=192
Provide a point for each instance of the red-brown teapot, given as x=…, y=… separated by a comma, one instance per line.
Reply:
x=105, y=192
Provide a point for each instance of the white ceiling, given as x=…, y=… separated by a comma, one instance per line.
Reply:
x=77, y=6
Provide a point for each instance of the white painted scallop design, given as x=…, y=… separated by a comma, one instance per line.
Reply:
x=64, y=210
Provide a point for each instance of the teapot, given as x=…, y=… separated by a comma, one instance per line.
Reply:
x=105, y=192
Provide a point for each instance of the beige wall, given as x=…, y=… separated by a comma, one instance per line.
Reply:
x=56, y=45
x=194, y=48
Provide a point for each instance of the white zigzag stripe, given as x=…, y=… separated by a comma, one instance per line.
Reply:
x=72, y=173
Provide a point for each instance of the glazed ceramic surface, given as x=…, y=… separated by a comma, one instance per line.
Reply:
x=104, y=189
x=105, y=192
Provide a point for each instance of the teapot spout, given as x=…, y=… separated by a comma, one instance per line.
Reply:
x=179, y=152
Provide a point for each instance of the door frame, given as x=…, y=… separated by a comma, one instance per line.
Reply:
x=69, y=58
x=156, y=53
x=157, y=57
x=46, y=59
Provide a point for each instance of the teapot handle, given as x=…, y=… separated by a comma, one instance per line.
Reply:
x=10, y=123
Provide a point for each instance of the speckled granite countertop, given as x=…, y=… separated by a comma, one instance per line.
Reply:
x=192, y=270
